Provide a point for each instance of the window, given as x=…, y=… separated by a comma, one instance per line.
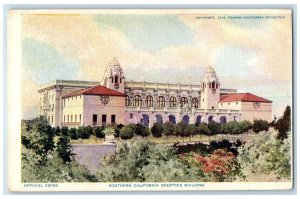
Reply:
x=131, y=115
x=120, y=80
x=217, y=86
x=172, y=102
x=116, y=79
x=195, y=102
x=51, y=119
x=103, y=120
x=213, y=85
x=75, y=118
x=79, y=117
x=183, y=101
x=64, y=118
x=127, y=101
x=161, y=101
x=137, y=100
x=203, y=100
x=149, y=101
x=236, y=103
x=209, y=85
x=95, y=118
x=113, y=119
x=112, y=80
x=68, y=118
x=228, y=103
x=221, y=104
x=71, y=118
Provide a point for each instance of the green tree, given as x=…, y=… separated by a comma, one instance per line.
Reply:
x=64, y=149
x=73, y=134
x=203, y=130
x=283, y=125
x=179, y=128
x=37, y=135
x=214, y=127
x=65, y=131
x=157, y=130
x=260, y=125
x=146, y=132
x=190, y=130
x=126, y=132
x=168, y=129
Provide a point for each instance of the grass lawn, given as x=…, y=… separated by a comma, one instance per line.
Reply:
x=170, y=139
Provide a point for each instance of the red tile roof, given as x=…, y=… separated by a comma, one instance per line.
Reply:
x=96, y=90
x=244, y=97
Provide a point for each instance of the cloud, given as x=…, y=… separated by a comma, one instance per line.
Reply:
x=150, y=47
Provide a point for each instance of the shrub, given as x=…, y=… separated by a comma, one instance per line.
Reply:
x=157, y=130
x=73, y=133
x=260, y=125
x=127, y=132
x=98, y=131
x=168, y=128
x=179, y=128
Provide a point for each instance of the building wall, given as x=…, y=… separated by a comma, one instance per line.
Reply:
x=72, y=111
x=92, y=105
x=230, y=105
x=250, y=113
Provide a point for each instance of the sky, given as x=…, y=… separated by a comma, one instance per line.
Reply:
x=250, y=55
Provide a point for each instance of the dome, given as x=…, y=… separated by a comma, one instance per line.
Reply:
x=210, y=70
x=114, y=68
x=210, y=75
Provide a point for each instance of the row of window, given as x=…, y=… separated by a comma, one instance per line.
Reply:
x=161, y=102
x=115, y=80
x=69, y=118
x=72, y=98
x=50, y=119
x=229, y=103
x=213, y=85
x=104, y=118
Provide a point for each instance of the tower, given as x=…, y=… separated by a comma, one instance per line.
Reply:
x=210, y=90
x=114, y=77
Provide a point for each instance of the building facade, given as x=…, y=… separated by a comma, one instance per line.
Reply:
x=115, y=100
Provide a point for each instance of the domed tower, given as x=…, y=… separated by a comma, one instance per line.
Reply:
x=210, y=89
x=114, y=77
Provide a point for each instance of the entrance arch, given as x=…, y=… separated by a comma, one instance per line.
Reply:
x=186, y=119
x=172, y=119
x=223, y=120
x=198, y=119
x=159, y=119
x=210, y=119
x=145, y=120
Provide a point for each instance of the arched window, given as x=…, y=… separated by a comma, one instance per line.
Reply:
x=195, y=102
x=183, y=101
x=137, y=100
x=172, y=102
x=149, y=101
x=116, y=79
x=161, y=101
x=127, y=101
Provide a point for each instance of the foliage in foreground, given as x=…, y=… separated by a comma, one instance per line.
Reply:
x=43, y=160
x=144, y=161
x=266, y=158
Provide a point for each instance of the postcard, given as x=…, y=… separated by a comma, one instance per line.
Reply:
x=150, y=100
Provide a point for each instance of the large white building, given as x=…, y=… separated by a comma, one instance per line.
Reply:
x=115, y=100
